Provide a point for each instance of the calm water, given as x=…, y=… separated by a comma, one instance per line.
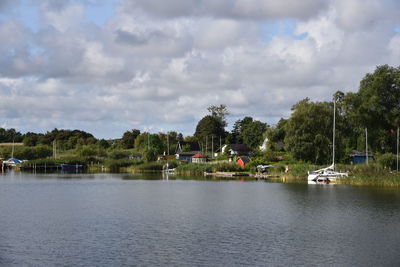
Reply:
x=117, y=219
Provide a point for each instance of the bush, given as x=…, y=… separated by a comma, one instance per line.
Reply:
x=149, y=155
x=387, y=160
x=269, y=156
x=91, y=151
x=29, y=153
x=229, y=167
x=115, y=164
x=150, y=166
x=194, y=168
x=119, y=154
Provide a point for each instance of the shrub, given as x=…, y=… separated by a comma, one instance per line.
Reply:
x=119, y=154
x=387, y=160
x=150, y=166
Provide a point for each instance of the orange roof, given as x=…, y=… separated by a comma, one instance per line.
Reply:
x=199, y=156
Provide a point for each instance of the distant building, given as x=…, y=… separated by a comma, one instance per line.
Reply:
x=242, y=161
x=186, y=150
x=237, y=150
x=357, y=157
x=199, y=158
x=183, y=146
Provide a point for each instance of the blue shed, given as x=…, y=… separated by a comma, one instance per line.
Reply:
x=357, y=157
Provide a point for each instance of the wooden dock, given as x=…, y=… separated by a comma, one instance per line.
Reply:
x=226, y=174
x=259, y=176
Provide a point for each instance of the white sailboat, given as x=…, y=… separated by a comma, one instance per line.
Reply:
x=327, y=174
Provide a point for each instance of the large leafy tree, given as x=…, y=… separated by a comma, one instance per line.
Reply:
x=128, y=138
x=276, y=135
x=376, y=106
x=147, y=141
x=10, y=135
x=309, y=131
x=248, y=131
x=219, y=112
x=209, y=128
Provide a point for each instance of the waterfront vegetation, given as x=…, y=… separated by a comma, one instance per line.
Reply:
x=376, y=173
x=293, y=146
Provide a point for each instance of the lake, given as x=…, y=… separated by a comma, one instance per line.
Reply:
x=134, y=219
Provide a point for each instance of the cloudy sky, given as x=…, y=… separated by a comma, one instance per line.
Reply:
x=107, y=66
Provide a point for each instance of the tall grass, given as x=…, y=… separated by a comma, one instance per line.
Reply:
x=387, y=180
x=150, y=166
x=373, y=174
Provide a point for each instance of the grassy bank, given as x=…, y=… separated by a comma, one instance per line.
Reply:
x=370, y=175
x=361, y=174
x=93, y=164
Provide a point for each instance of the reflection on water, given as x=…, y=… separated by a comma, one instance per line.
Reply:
x=148, y=219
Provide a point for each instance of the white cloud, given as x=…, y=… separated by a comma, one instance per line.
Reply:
x=243, y=9
x=62, y=15
x=162, y=63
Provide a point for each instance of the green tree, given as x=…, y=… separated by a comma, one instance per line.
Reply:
x=219, y=112
x=128, y=138
x=104, y=143
x=309, y=131
x=31, y=139
x=150, y=155
x=237, y=130
x=10, y=135
x=253, y=134
x=147, y=141
x=276, y=136
x=248, y=131
x=209, y=128
x=376, y=106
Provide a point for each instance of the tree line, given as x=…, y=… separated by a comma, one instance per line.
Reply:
x=306, y=135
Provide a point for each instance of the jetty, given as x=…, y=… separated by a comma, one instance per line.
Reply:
x=259, y=176
x=226, y=174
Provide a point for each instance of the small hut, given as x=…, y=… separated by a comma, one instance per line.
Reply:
x=199, y=158
x=242, y=161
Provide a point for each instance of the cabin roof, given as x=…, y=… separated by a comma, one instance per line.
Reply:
x=199, y=155
x=244, y=159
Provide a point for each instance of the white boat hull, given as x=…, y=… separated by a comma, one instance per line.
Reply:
x=325, y=175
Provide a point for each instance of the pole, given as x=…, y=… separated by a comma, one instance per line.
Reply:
x=212, y=146
x=333, y=134
x=206, y=144
x=54, y=149
x=397, y=162
x=168, y=143
x=12, y=151
x=366, y=146
x=220, y=145
x=148, y=141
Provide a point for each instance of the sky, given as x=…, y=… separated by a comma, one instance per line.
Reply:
x=106, y=67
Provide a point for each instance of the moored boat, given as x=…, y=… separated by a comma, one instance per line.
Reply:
x=328, y=174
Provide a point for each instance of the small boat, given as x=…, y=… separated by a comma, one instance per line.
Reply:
x=325, y=175
x=12, y=162
x=263, y=168
x=169, y=170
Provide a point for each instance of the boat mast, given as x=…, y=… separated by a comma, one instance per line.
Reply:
x=334, y=126
x=12, y=151
x=397, y=163
x=168, y=143
x=366, y=146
